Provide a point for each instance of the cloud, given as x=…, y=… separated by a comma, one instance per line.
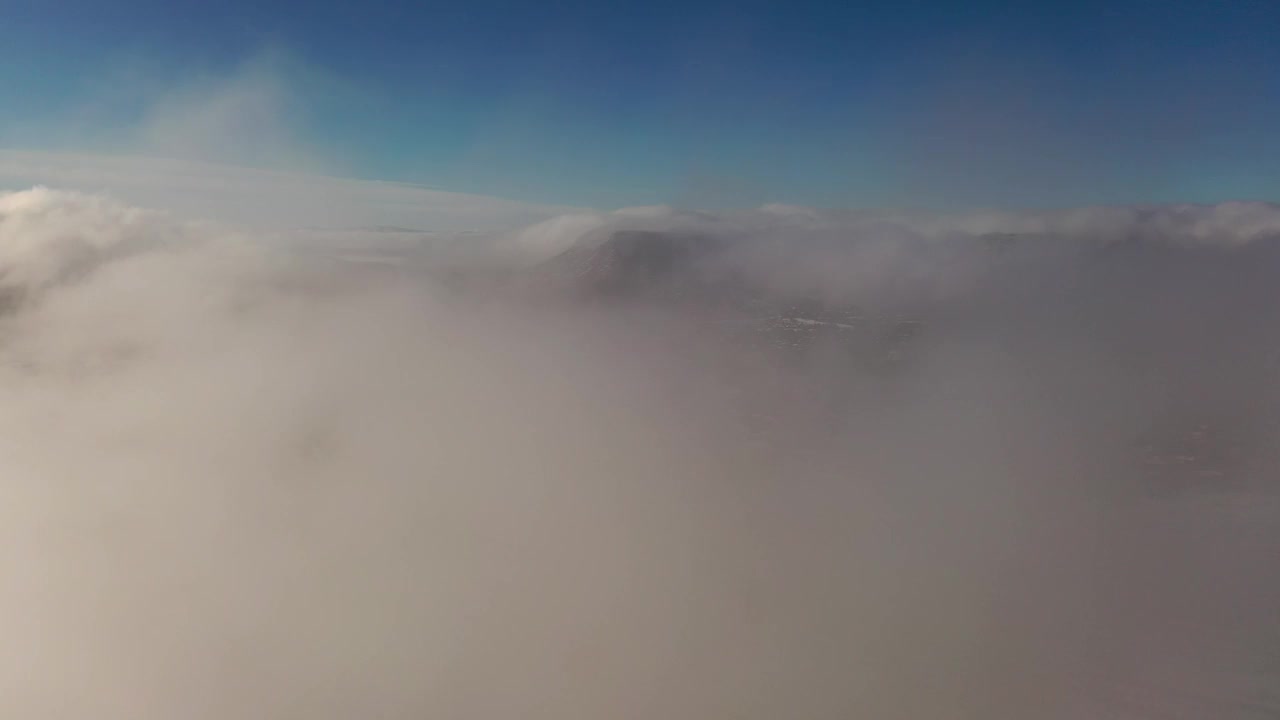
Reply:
x=1227, y=223
x=248, y=117
x=44, y=237
x=259, y=113
x=262, y=198
x=237, y=480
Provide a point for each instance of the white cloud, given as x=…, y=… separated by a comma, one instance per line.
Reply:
x=264, y=198
x=46, y=234
x=235, y=483
x=248, y=117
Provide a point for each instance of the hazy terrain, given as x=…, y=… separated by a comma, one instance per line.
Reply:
x=769, y=463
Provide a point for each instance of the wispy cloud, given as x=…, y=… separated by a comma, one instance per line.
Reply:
x=264, y=198
x=248, y=117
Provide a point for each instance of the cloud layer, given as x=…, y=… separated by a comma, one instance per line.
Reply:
x=243, y=481
x=265, y=199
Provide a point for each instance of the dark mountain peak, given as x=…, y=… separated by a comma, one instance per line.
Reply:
x=634, y=261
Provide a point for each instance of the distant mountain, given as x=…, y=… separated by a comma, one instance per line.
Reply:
x=693, y=275
x=689, y=273
x=635, y=263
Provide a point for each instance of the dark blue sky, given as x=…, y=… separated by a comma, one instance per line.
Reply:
x=703, y=103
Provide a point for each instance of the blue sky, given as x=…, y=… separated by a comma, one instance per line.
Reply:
x=940, y=104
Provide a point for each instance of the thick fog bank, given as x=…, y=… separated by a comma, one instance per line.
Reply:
x=238, y=480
